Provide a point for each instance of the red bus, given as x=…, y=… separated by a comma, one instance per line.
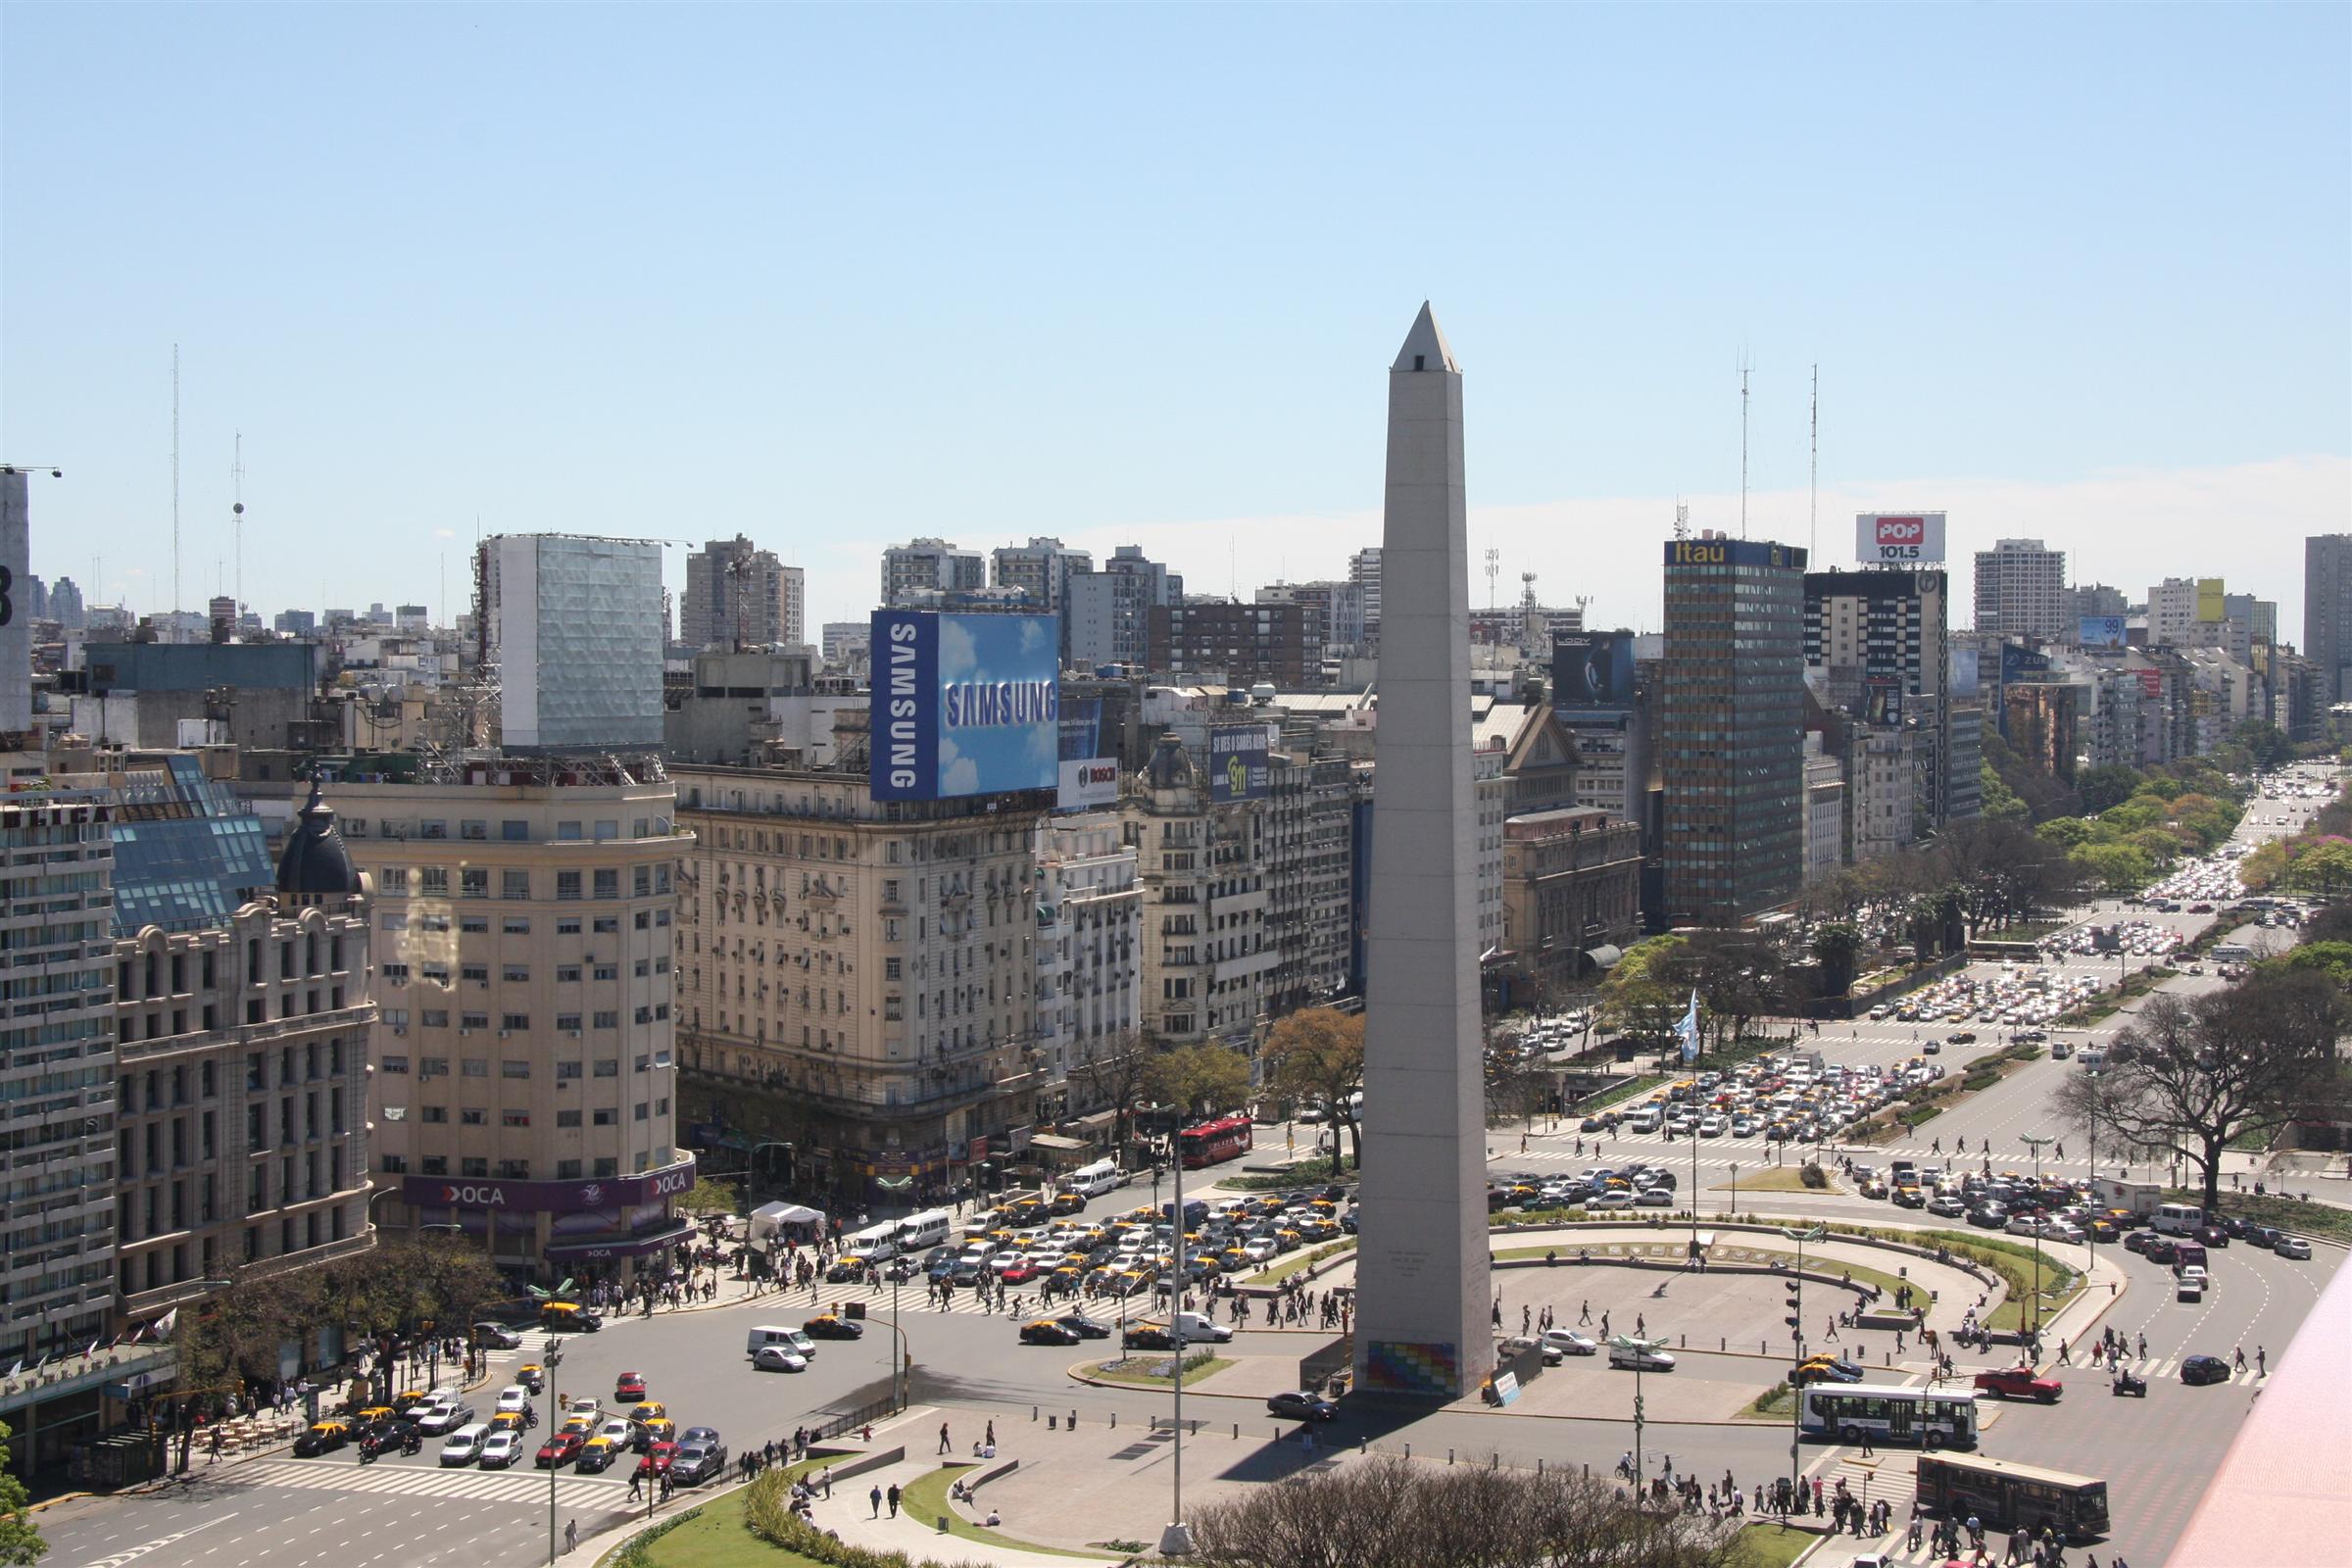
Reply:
x=1213, y=1142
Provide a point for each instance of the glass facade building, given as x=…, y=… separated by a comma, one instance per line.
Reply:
x=186, y=852
x=1731, y=729
x=574, y=627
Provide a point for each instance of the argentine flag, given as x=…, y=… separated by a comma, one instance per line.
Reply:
x=1687, y=1029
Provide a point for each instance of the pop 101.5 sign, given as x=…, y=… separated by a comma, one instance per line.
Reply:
x=965, y=705
x=1898, y=539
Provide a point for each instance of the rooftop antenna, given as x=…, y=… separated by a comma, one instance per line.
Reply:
x=175, y=492
x=1493, y=565
x=236, y=473
x=1743, y=443
x=1682, y=519
x=1813, y=475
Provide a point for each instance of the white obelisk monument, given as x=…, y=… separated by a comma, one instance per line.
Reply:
x=1421, y=1321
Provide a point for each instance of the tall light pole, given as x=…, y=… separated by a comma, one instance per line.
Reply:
x=899, y=1374
x=1176, y=1541
x=1797, y=1326
x=2034, y=1331
x=554, y=1359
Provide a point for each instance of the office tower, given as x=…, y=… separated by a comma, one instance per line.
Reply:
x=1422, y=1275
x=738, y=595
x=294, y=623
x=847, y=641
x=1238, y=645
x=2021, y=590
x=64, y=605
x=2085, y=601
x=1363, y=570
x=1042, y=569
x=929, y=564
x=34, y=600
x=2327, y=612
x=1732, y=735
x=1880, y=640
x=572, y=626
x=525, y=972
x=57, y=1057
x=1107, y=617
x=2259, y=616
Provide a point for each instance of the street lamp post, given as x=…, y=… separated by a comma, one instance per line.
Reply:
x=898, y=1351
x=2034, y=1331
x=1733, y=1212
x=554, y=1354
x=1176, y=1541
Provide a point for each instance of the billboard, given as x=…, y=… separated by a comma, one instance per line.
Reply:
x=2017, y=663
x=1088, y=782
x=2212, y=603
x=2099, y=631
x=965, y=705
x=1593, y=670
x=1238, y=769
x=1081, y=728
x=1965, y=676
x=1881, y=701
x=1898, y=539
x=2151, y=683
x=1733, y=553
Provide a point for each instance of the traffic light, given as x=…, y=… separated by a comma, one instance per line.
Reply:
x=1795, y=1305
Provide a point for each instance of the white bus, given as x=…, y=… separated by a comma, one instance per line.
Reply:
x=2178, y=1219
x=1092, y=1180
x=1848, y=1412
x=2231, y=953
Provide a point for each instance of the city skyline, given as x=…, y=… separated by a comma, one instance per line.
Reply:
x=419, y=311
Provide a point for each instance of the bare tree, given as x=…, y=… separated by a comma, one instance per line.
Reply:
x=2195, y=1075
x=1112, y=1068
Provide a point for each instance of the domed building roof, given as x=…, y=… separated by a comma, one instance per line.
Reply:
x=1171, y=766
x=315, y=864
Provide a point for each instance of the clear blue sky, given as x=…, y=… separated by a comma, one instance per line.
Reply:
x=835, y=276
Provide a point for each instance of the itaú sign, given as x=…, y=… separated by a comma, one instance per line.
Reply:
x=612, y=1192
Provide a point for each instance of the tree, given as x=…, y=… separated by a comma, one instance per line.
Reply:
x=1207, y=1079
x=1641, y=997
x=2109, y=785
x=1388, y=1512
x=2195, y=1074
x=1318, y=1054
x=2265, y=742
x=2325, y=868
x=709, y=1196
x=1999, y=803
x=1836, y=947
x=1110, y=1068
x=2117, y=868
x=20, y=1543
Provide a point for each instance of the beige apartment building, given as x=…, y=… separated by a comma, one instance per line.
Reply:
x=525, y=1078
x=860, y=976
x=241, y=1059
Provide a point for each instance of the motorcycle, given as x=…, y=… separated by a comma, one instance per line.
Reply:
x=2132, y=1384
x=412, y=1443
x=368, y=1450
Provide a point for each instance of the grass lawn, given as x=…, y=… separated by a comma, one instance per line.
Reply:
x=1641, y=1084
x=716, y=1539
x=2014, y=1262
x=2304, y=1219
x=1776, y=1179
x=1292, y=1265
x=1770, y=1545
x=1137, y=1377
x=1772, y=1405
x=927, y=1499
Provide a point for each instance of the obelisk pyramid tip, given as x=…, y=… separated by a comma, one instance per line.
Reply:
x=1425, y=347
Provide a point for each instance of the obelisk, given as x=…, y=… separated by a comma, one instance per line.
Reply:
x=1421, y=1324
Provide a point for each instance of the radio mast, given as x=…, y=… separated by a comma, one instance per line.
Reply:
x=237, y=474
x=1813, y=476
x=1743, y=443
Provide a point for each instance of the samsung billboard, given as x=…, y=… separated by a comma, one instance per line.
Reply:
x=965, y=705
x=1898, y=539
x=1593, y=670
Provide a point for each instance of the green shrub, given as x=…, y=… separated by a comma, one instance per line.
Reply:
x=768, y=1514
x=1813, y=1175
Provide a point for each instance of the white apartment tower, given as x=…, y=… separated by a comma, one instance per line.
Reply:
x=2021, y=590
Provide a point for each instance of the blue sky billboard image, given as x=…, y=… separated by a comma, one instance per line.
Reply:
x=965, y=705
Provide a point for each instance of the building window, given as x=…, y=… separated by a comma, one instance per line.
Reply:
x=394, y=1164
x=608, y=1067
x=512, y=884
x=602, y=1116
x=473, y=1118
x=475, y=1068
x=512, y=1068
x=432, y=881
x=436, y=1114
x=392, y=881
x=568, y=888
x=514, y=832
x=399, y=1064
x=473, y=1165
x=514, y=1118
x=608, y=882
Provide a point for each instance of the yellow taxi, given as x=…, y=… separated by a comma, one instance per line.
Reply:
x=1067, y=1203
x=374, y=1413
x=647, y=1411
x=658, y=1430
x=407, y=1396
x=596, y=1453
x=531, y=1375
x=320, y=1437
x=508, y=1421
x=582, y=1424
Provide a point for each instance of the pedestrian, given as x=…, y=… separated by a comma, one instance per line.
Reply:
x=636, y=1487
x=828, y=1478
x=1585, y=1316
x=992, y=1434
x=2262, y=1362
x=943, y=1445
x=894, y=1499
x=875, y=1497
x=571, y=1534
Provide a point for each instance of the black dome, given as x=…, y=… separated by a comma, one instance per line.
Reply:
x=1171, y=767
x=315, y=864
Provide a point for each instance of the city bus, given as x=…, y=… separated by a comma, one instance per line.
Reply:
x=2004, y=1494
x=1831, y=1412
x=1213, y=1142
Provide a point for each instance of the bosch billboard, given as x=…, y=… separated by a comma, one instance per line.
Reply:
x=965, y=705
x=1898, y=539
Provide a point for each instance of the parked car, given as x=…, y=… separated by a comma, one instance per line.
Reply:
x=1301, y=1406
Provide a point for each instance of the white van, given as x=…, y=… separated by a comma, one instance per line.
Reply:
x=1198, y=1330
x=1092, y=1180
x=2178, y=1219
x=2093, y=1057
x=876, y=1244
x=465, y=1446
x=1643, y=1121
x=930, y=1228
x=789, y=1339
x=1646, y=1360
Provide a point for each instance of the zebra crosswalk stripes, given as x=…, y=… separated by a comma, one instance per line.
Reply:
x=454, y=1484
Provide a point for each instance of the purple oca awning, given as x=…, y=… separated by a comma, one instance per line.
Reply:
x=550, y=1198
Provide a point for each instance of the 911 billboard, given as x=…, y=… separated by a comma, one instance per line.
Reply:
x=1898, y=539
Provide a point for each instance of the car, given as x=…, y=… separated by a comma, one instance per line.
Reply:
x=1640, y=1358
x=1615, y=1199
x=319, y=1436
x=629, y=1386
x=1568, y=1342
x=512, y=1399
x=444, y=1415
x=2190, y=1289
x=1932, y=1046
x=1654, y=1197
x=1086, y=1328
x=657, y=1459
x=1298, y=1406
x=660, y=1429
x=828, y=1326
x=599, y=1453
x=497, y=1337
x=499, y=1449
x=2019, y=1382
x=532, y=1376
x=1049, y=1330
x=2294, y=1246
x=699, y=1459
x=560, y=1449
x=2138, y=1240
x=465, y=1446
x=2214, y=1234
x=779, y=1359
x=1947, y=1207
x=2197, y=1369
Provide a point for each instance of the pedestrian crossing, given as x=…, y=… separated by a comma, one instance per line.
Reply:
x=2155, y=1368
x=331, y=1474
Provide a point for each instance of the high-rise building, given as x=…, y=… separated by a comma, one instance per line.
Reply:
x=1335, y=613
x=738, y=595
x=2021, y=590
x=295, y=622
x=1732, y=742
x=36, y=597
x=1088, y=966
x=525, y=1077
x=57, y=1063
x=931, y=566
x=1042, y=569
x=2327, y=612
x=860, y=977
x=2259, y=616
x=64, y=605
x=1239, y=645
x=572, y=626
x=2091, y=599
x=2172, y=613
x=1879, y=643
x=1106, y=616
x=1363, y=570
